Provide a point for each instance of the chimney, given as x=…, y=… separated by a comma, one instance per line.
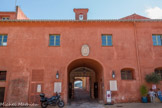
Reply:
x=80, y=14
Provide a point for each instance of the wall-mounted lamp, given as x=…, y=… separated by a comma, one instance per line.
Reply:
x=113, y=74
x=57, y=75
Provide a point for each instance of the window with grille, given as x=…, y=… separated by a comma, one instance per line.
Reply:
x=3, y=75
x=157, y=40
x=54, y=40
x=3, y=40
x=159, y=72
x=126, y=74
x=106, y=40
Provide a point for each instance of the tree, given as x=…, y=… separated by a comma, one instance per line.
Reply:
x=152, y=78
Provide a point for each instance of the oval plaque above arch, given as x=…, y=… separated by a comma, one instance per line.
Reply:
x=85, y=50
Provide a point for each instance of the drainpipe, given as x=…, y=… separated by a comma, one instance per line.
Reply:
x=137, y=53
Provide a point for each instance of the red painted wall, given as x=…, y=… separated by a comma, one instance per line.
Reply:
x=11, y=15
x=27, y=49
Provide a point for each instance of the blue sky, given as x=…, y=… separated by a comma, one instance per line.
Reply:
x=98, y=9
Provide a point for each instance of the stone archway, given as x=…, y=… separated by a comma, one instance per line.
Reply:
x=86, y=68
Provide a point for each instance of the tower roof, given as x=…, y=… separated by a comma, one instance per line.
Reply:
x=134, y=16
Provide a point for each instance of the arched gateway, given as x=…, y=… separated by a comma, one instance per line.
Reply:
x=92, y=72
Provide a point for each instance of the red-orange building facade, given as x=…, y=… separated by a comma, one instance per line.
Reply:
x=29, y=59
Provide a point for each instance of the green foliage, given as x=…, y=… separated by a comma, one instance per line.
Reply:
x=143, y=90
x=152, y=78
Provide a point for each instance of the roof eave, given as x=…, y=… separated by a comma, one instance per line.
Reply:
x=97, y=20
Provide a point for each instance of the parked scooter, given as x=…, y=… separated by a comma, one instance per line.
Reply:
x=53, y=101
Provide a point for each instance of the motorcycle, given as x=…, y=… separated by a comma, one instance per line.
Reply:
x=53, y=101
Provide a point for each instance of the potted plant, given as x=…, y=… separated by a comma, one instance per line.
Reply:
x=143, y=91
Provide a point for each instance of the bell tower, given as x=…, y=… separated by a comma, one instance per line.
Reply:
x=81, y=14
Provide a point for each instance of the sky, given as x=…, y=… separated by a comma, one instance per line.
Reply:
x=98, y=9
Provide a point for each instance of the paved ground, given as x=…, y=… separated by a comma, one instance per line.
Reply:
x=81, y=94
x=136, y=105
x=125, y=105
x=97, y=105
x=82, y=100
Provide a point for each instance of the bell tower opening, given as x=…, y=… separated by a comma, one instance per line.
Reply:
x=80, y=14
x=81, y=17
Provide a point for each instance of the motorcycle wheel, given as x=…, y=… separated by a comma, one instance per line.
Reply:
x=44, y=105
x=61, y=104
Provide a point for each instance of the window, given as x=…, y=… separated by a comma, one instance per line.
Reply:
x=3, y=40
x=159, y=72
x=157, y=40
x=5, y=18
x=126, y=74
x=81, y=17
x=2, y=75
x=106, y=40
x=54, y=40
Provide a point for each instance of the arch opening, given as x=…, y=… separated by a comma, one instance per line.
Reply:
x=78, y=84
x=90, y=72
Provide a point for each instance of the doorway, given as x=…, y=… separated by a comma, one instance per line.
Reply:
x=2, y=93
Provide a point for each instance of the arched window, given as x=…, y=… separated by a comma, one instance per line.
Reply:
x=127, y=74
x=159, y=72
